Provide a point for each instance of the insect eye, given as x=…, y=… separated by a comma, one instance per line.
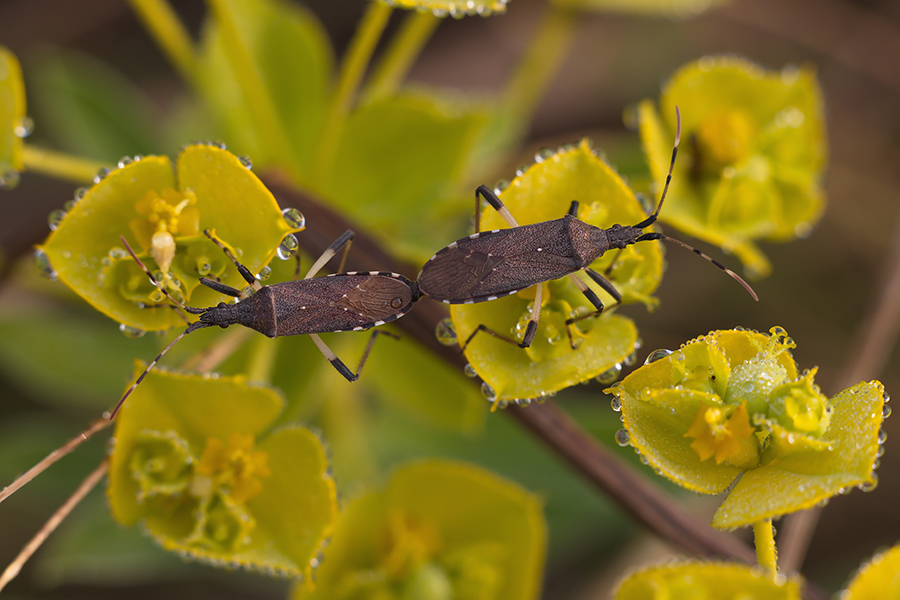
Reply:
x=396, y=303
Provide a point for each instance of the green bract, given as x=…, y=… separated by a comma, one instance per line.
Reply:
x=876, y=579
x=730, y=404
x=752, y=153
x=454, y=8
x=162, y=212
x=12, y=118
x=440, y=531
x=544, y=192
x=195, y=463
x=706, y=581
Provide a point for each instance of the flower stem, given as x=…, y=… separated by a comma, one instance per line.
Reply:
x=60, y=165
x=50, y=526
x=262, y=359
x=167, y=29
x=764, y=540
x=352, y=69
x=405, y=47
x=253, y=85
x=527, y=86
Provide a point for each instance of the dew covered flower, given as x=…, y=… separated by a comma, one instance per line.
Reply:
x=13, y=122
x=162, y=208
x=731, y=405
x=752, y=153
x=196, y=463
x=562, y=354
x=439, y=530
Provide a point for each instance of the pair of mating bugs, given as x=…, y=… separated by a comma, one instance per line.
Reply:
x=484, y=266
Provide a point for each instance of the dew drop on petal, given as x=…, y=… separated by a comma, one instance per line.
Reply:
x=885, y=411
x=446, y=332
x=55, y=217
x=246, y=162
x=131, y=332
x=24, y=127
x=294, y=218
x=101, y=174
x=43, y=266
x=623, y=438
x=288, y=247
x=9, y=179
x=469, y=370
x=610, y=375
x=264, y=273
x=657, y=355
x=615, y=404
x=488, y=392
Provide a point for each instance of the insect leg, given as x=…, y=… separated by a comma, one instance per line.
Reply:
x=244, y=271
x=492, y=199
x=342, y=242
x=338, y=363
x=592, y=298
x=176, y=303
x=530, y=329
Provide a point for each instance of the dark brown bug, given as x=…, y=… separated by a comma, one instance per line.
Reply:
x=353, y=301
x=490, y=264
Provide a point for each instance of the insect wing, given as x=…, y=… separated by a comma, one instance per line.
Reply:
x=496, y=263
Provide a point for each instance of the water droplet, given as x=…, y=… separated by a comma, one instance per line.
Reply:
x=521, y=170
x=469, y=370
x=488, y=392
x=706, y=63
x=294, y=218
x=630, y=360
x=522, y=401
x=125, y=161
x=623, y=438
x=440, y=13
x=869, y=486
x=657, y=355
x=610, y=375
x=117, y=253
x=246, y=162
x=615, y=404
x=446, y=332
x=264, y=273
x=10, y=179
x=543, y=154
x=288, y=247
x=55, y=217
x=42, y=264
x=101, y=174
x=886, y=397
x=24, y=127
x=203, y=267
x=882, y=436
x=885, y=411
x=501, y=186
x=131, y=332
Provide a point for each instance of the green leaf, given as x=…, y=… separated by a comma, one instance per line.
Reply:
x=91, y=109
x=12, y=118
x=441, y=529
x=544, y=192
x=209, y=189
x=877, y=578
x=454, y=8
x=291, y=51
x=185, y=464
x=398, y=161
x=706, y=581
x=754, y=165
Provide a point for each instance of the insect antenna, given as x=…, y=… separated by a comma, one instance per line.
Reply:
x=659, y=236
x=191, y=327
x=652, y=218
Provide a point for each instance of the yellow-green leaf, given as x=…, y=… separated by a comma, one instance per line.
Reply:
x=545, y=192
x=12, y=118
x=753, y=167
x=210, y=188
x=454, y=8
x=876, y=579
x=706, y=581
x=440, y=530
x=193, y=463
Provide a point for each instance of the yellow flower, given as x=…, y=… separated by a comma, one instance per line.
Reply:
x=724, y=431
x=235, y=467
